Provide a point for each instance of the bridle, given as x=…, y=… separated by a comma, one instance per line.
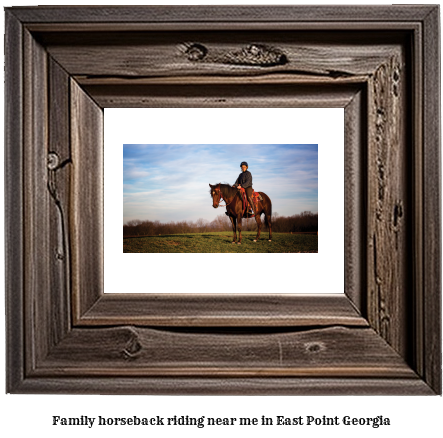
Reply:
x=221, y=197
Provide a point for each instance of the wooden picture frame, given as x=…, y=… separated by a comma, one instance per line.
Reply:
x=65, y=64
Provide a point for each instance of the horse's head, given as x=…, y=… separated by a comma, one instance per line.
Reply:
x=215, y=194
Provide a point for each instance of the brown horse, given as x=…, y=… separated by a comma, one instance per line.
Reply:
x=234, y=208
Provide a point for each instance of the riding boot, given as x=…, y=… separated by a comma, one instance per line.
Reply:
x=252, y=206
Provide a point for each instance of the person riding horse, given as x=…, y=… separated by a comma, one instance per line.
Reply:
x=245, y=180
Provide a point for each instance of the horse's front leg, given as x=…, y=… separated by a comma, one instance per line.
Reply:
x=233, y=222
x=239, y=229
x=258, y=220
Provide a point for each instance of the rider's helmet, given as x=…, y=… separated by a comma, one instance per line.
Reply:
x=244, y=163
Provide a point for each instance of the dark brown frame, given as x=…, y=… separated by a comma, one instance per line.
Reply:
x=64, y=65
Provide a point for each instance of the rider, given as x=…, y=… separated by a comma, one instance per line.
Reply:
x=245, y=180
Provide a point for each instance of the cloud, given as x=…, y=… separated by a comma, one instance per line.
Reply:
x=170, y=182
x=134, y=173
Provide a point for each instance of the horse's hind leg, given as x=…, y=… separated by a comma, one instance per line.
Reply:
x=258, y=220
x=267, y=210
x=233, y=222
x=269, y=224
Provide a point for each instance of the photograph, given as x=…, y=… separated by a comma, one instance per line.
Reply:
x=267, y=204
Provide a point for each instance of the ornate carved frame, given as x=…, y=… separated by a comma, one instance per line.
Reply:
x=64, y=65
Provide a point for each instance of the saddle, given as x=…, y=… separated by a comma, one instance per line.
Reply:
x=256, y=197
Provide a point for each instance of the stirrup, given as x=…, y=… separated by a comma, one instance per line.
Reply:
x=249, y=209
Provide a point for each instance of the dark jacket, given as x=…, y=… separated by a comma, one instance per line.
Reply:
x=244, y=179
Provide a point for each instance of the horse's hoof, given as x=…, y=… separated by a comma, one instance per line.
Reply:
x=270, y=240
x=255, y=241
x=238, y=243
x=233, y=242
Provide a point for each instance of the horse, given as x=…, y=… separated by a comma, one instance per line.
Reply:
x=234, y=209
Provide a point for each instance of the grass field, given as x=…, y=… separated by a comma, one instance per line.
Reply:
x=221, y=242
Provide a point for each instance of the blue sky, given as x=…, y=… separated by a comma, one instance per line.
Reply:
x=170, y=182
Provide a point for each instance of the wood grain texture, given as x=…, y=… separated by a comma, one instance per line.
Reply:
x=166, y=54
x=355, y=195
x=37, y=306
x=59, y=179
x=129, y=351
x=240, y=310
x=226, y=14
x=431, y=318
x=417, y=134
x=14, y=238
x=63, y=65
x=226, y=386
x=226, y=96
x=388, y=204
x=86, y=200
x=233, y=26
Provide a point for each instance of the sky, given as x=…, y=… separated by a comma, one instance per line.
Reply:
x=170, y=182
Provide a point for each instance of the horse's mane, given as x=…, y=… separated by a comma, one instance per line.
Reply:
x=228, y=190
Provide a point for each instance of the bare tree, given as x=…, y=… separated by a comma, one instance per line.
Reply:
x=303, y=222
x=202, y=225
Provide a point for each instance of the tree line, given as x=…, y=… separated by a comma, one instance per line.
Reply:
x=303, y=222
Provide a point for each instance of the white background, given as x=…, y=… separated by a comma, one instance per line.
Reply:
x=30, y=415
x=286, y=273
